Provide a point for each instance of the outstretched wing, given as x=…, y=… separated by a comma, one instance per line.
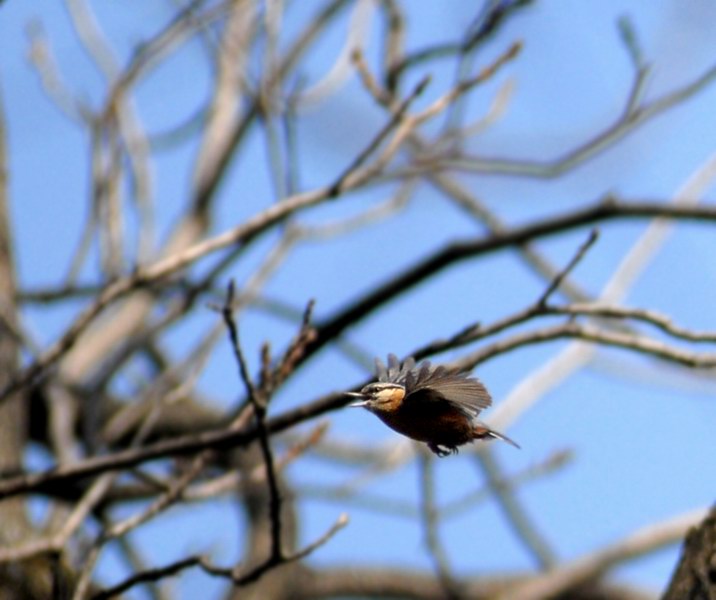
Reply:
x=465, y=392
x=394, y=372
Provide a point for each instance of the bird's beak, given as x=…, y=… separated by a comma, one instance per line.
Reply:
x=362, y=402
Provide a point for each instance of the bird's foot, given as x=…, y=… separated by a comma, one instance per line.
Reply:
x=442, y=450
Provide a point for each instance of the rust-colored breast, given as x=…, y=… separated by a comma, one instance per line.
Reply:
x=432, y=421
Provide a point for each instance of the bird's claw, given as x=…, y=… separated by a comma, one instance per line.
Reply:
x=441, y=450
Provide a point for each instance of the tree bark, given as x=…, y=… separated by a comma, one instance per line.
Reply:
x=695, y=575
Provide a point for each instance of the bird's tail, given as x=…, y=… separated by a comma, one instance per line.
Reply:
x=483, y=432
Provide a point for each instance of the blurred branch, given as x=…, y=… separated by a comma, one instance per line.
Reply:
x=632, y=117
x=54, y=87
x=599, y=336
x=121, y=528
x=361, y=582
x=430, y=524
x=352, y=494
x=489, y=19
x=43, y=481
x=242, y=234
x=340, y=70
x=577, y=572
x=159, y=573
x=209, y=182
x=254, y=574
x=449, y=255
x=93, y=40
x=630, y=267
x=14, y=413
x=659, y=320
x=515, y=514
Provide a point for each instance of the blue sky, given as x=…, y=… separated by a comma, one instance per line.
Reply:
x=641, y=432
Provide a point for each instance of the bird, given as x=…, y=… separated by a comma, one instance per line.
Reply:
x=431, y=404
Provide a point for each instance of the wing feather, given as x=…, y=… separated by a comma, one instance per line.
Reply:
x=395, y=371
x=380, y=370
x=465, y=392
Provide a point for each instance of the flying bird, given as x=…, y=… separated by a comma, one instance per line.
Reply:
x=431, y=404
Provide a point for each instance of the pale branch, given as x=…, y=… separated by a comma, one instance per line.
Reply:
x=595, y=564
x=632, y=117
x=516, y=515
x=431, y=529
x=382, y=582
x=395, y=120
x=339, y=72
x=213, y=176
x=57, y=541
x=350, y=179
x=650, y=317
x=589, y=333
x=358, y=497
x=171, y=495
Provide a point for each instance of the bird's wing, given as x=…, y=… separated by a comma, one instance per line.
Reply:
x=394, y=372
x=465, y=392
x=380, y=371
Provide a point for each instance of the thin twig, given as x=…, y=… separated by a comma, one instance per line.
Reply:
x=395, y=120
x=149, y=576
x=268, y=565
x=259, y=405
x=631, y=118
x=557, y=281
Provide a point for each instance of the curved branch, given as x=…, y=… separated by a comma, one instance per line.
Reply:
x=455, y=252
x=53, y=481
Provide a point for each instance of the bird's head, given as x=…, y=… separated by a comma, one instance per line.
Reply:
x=379, y=397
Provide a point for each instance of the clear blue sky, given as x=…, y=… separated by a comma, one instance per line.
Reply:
x=641, y=433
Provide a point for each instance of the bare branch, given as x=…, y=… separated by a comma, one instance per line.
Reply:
x=259, y=402
x=633, y=117
x=150, y=575
x=559, y=278
x=595, y=564
x=263, y=568
x=430, y=523
x=516, y=515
